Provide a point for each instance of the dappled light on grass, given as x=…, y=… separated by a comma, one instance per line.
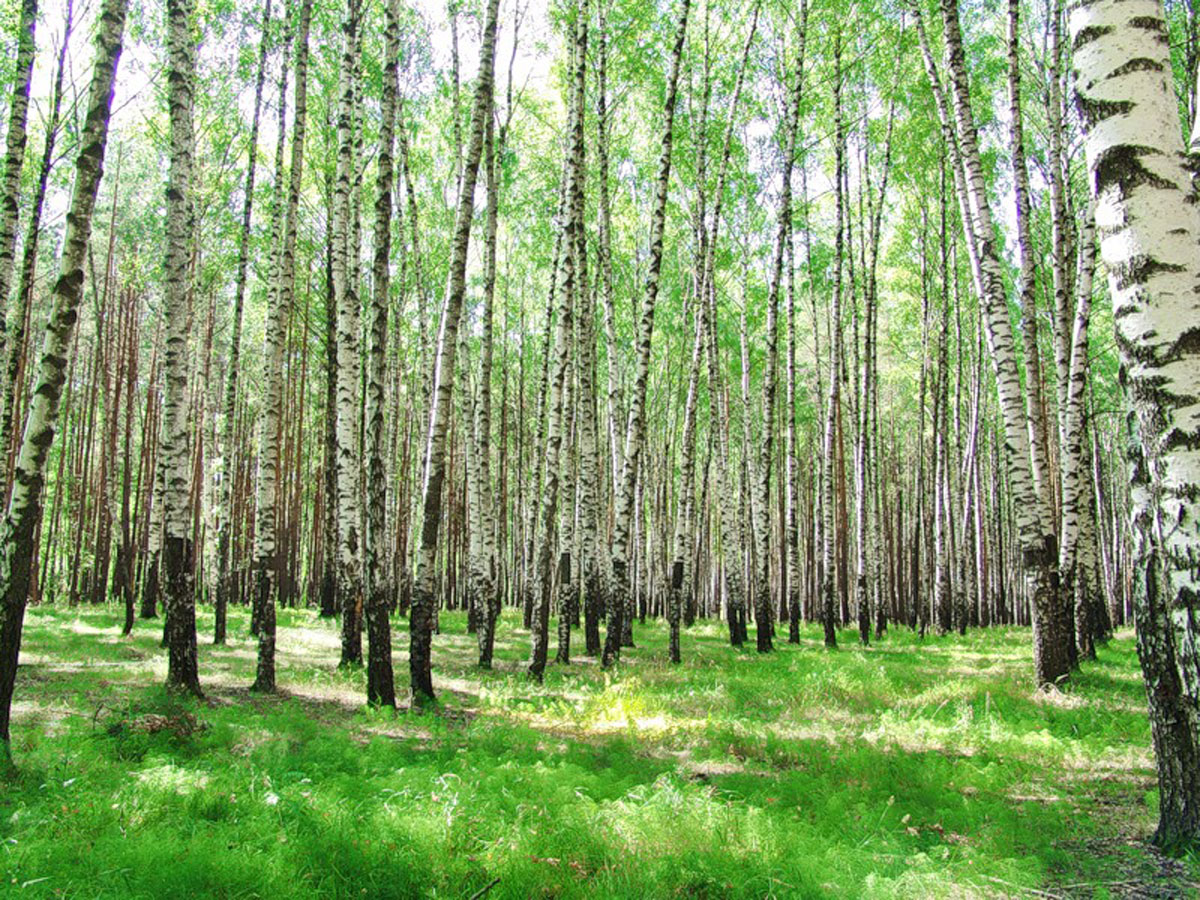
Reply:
x=876, y=773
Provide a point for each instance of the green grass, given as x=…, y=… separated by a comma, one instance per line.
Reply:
x=910, y=769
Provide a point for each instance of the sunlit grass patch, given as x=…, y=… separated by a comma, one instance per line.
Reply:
x=913, y=768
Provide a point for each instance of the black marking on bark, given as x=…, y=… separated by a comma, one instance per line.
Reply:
x=1093, y=111
x=1121, y=166
x=1138, y=64
x=1149, y=23
x=1139, y=269
x=1089, y=34
x=1187, y=344
x=1179, y=439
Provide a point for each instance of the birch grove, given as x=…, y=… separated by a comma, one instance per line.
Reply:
x=473, y=329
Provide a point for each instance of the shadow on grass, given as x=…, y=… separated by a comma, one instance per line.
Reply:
x=912, y=768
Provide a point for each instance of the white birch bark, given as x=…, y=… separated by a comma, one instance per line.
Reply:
x=346, y=301
x=232, y=379
x=25, y=503
x=1051, y=622
x=557, y=414
x=762, y=485
x=176, y=448
x=14, y=156
x=421, y=627
x=266, y=500
x=635, y=431
x=381, y=689
x=1148, y=226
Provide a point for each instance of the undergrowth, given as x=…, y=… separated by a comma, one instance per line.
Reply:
x=908, y=769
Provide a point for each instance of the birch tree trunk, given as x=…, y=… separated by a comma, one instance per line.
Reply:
x=762, y=486
x=267, y=547
x=590, y=559
x=557, y=415
x=25, y=503
x=483, y=527
x=229, y=407
x=604, y=252
x=381, y=689
x=635, y=431
x=329, y=482
x=14, y=156
x=154, y=528
x=346, y=301
x=680, y=587
x=728, y=522
x=1051, y=622
x=178, y=541
x=1149, y=226
x=1075, y=462
x=828, y=606
x=569, y=586
x=421, y=625
x=14, y=365
x=1035, y=408
x=791, y=505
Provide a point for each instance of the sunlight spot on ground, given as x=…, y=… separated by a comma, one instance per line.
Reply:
x=1033, y=792
x=813, y=730
x=938, y=695
x=171, y=778
x=976, y=671
x=1122, y=761
x=931, y=884
x=79, y=626
x=49, y=717
x=322, y=641
x=1052, y=696
x=502, y=691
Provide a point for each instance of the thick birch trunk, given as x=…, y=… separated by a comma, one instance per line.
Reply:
x=381, y=689
x=1149, y=225
x=25, y=503
x=266, y=550
x=421, y=627
x=178, y=544
x=346, y=302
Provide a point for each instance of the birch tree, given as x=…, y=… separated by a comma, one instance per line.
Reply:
x=762, y=492
x=1148, y=224
x=635, y=430
x=557, y=412
x=422, y=618
x=346, y=301
x=381, y=689
x=229, y=407
x=266, y=549
x=176, y=449
x=25, y=503
x=14, y=153
x=1051, y=624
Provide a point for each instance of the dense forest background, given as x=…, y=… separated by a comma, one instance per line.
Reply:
x=573, y=316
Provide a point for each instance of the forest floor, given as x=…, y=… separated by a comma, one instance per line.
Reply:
x=910, y=769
